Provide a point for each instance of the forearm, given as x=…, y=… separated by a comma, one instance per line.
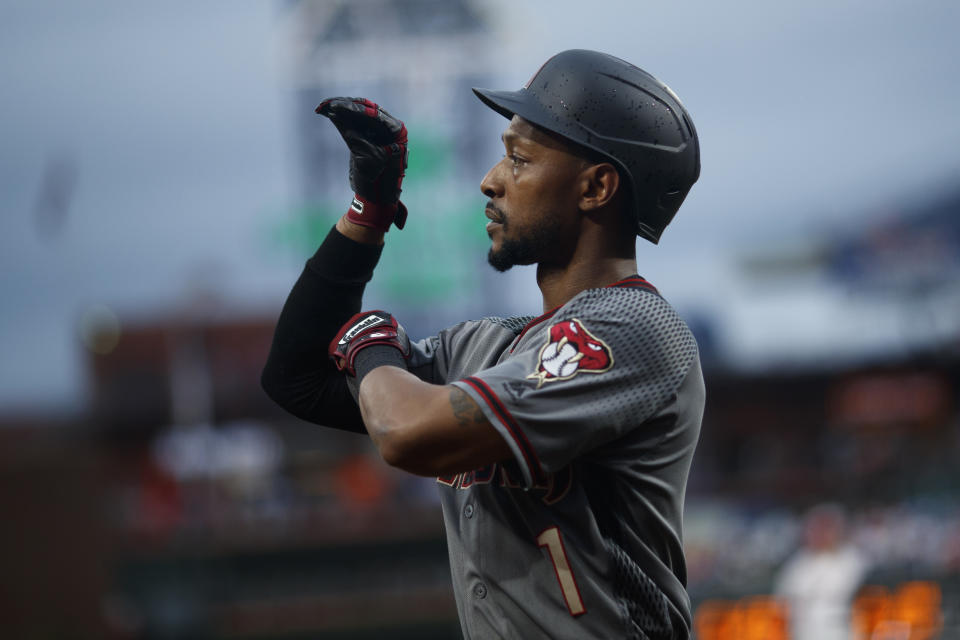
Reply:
x=424, y=428
x=298, y=374
x=393, y=401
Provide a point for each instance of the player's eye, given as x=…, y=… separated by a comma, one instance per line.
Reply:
x=516, y=161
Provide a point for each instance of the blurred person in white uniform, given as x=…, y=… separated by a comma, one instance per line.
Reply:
x=819, y=581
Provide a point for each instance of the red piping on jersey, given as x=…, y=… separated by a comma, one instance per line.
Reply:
x=510, y=423
x=532, y=324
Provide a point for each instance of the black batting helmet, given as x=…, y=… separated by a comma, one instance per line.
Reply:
x=624, y=113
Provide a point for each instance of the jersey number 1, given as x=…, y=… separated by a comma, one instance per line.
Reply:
x=550, y=539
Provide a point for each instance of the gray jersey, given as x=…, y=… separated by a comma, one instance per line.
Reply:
x=579, y=535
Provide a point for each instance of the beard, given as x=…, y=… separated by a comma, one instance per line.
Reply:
x=531, y=248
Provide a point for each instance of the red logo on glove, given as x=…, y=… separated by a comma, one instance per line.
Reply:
x=571, y=349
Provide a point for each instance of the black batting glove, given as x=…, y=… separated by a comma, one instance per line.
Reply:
x=366, y=329
x=378, y=160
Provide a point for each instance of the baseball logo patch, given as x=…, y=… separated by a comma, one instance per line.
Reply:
x=571, y=349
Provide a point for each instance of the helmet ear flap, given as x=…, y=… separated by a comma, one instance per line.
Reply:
x=671, y=200
x=667, y=204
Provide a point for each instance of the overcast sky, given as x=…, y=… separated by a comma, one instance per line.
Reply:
x=144, y=147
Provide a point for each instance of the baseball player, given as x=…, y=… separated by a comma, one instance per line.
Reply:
x=561, y=443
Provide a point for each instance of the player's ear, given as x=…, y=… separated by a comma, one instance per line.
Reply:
x=599, y=184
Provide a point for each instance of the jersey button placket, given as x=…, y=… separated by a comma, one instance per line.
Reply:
x=480, y=591
x=468, y=510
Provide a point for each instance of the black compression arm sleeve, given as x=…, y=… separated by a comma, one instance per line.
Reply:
x=299, y=375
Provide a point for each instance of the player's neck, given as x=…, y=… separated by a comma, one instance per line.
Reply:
x=559, y=284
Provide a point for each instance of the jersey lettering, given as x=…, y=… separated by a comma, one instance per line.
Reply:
x=450, y=481
x=552, y=489
x=510, y=477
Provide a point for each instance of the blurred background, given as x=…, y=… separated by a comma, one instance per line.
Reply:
x=163, y=178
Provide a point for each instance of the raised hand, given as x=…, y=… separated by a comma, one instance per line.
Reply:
x=378, y=159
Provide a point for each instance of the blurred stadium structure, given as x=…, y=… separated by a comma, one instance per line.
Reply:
x=890, y=285
x=183, y=504
x=449, y=146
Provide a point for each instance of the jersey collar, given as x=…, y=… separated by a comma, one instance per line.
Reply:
x=634, y=281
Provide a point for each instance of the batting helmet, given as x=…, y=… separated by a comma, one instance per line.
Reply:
x=632, y=119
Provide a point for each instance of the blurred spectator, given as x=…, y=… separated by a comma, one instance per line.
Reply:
x=819, y=581
x=363, y=483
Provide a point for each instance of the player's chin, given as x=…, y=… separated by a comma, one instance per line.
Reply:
x=499, y=260
x=506, y=253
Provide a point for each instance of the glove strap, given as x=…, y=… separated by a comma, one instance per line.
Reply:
x=376, y=215
x=362, y=331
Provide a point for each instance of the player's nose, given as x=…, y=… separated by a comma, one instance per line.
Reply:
x=492, y=185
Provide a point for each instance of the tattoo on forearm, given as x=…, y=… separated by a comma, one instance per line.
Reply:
x=465, y=410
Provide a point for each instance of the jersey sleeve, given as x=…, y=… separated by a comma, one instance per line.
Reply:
x=601, y=367
x=463, y=349
x=426, y=360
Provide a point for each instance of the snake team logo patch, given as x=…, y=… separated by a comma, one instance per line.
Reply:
x=571, y=349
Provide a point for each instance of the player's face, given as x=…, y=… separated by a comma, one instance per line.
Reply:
x=533, y=194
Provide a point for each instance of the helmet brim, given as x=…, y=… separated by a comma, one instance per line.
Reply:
x=510, y=103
